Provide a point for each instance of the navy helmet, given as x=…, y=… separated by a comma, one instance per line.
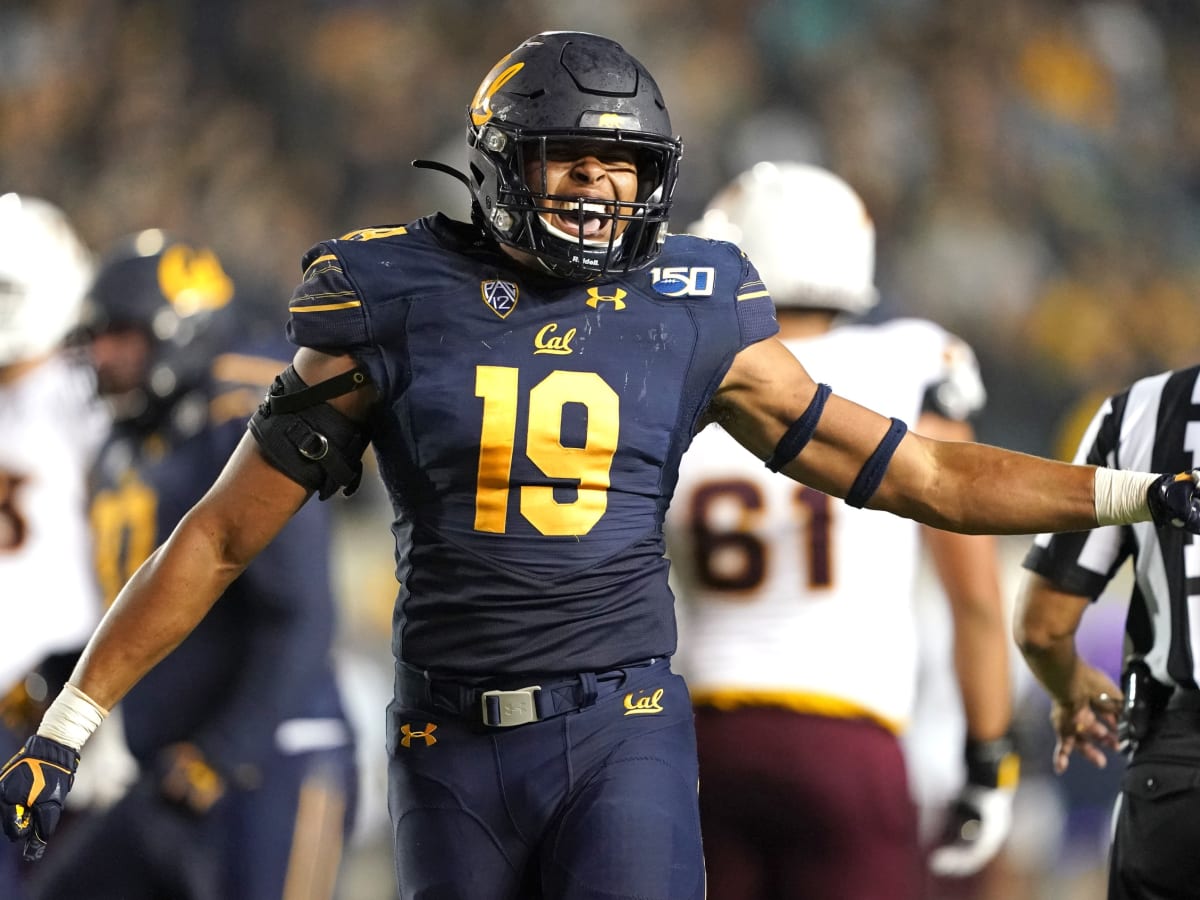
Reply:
x=556, y=88
x=176, y=293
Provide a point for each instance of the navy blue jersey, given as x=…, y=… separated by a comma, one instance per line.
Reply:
x=262, y=655
x=529, y=433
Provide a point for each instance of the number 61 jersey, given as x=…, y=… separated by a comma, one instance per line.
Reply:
x=789, y=597
x=529, y=433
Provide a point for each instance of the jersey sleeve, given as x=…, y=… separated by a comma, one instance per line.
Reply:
x=755, y=309
x=326, y=311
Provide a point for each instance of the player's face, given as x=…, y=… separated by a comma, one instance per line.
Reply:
x=599, y=170
x=120, y=357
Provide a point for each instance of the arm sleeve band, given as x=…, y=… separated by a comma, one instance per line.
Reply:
x=307, y=439
x=872, y=471
x=1120, y=496
x=800, y=432
x=72, y=718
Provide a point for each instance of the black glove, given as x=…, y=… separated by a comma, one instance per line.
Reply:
x=980, y=819
x=33, y=787
x=1175, y=500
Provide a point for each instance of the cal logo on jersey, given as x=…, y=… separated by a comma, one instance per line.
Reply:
x=683, y=281
x=500, y=296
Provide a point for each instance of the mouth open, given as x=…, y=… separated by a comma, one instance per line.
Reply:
x=591, y=220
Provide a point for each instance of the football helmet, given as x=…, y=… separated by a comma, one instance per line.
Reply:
x=560, y=87
x=172, y=291
x=805, y=229
x=44, y=272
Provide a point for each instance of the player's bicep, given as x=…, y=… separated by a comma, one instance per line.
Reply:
x=315, y=367
x=312, y=426
x=767, y=391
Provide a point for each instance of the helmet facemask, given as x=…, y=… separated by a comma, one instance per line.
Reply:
x=516, y=211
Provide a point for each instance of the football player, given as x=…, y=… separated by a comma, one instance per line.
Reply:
x=530, y=380
x=247, y=777
x=793, y=643
x=52, y=426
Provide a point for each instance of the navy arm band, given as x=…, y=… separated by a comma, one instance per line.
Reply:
x=800, y=432
x=872, y=471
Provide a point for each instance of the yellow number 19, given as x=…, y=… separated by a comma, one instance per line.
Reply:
x=589, y=466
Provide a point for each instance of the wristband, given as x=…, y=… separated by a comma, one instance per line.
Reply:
x=71, y=718
x=1121, y=496
x=992, y=764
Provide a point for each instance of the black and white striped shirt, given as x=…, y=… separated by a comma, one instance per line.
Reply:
x=1153, y=426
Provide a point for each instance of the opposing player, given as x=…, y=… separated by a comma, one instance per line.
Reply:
x=529, y=381
x=801, y=633
x=52, y=426
x=247, y=781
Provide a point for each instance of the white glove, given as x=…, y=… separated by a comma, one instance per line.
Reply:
x=977, y=826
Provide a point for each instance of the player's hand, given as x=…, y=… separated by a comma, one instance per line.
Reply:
x=1175, y=500
x=187, y=779
x=33, y=787
x=980, y=818
x=1086, y=719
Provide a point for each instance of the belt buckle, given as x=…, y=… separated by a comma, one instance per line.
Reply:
x=509, y=708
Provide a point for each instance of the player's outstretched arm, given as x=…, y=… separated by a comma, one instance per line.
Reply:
x=958, y=486
x=246, y=507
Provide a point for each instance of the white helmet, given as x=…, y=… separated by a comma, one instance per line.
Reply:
x=44, y=275
x=805, y=229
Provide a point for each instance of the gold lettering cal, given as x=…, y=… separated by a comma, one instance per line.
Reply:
x=644, y=705
x=546, y=342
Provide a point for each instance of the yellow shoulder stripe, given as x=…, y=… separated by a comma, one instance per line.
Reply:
x=370, y=234
x=326, y=307
x=324, y=258
x=750, y=293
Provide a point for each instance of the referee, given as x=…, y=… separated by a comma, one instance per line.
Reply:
x=1153, y=425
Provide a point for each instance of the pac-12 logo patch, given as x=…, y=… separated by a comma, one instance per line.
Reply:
x=500, y=296
x=682, y=281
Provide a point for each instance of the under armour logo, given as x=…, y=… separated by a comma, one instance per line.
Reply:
x=594, y=298
x=426, y=735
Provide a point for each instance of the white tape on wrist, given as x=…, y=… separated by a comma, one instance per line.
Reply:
x=1121, y=496
x=72, y=718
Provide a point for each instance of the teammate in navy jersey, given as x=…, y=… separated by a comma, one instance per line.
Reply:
x=1156, y=718
x=529, y=381
x=247, y=764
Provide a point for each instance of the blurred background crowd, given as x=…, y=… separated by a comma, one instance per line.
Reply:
x=1033, y=166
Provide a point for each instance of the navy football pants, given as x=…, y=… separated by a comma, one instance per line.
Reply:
x=596, y=803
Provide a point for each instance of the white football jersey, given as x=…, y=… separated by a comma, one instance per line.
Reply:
x=51, y=425
x=787, y=595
